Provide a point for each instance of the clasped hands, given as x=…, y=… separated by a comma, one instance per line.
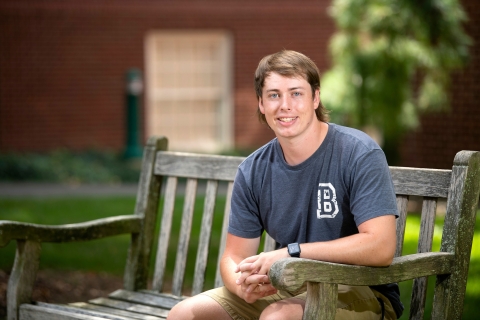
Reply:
x=253, y=279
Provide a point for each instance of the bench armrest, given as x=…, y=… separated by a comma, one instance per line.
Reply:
x=291, y=273
x=91, y=230
x=29, y=237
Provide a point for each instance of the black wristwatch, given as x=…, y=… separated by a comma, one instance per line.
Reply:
x=294, y=250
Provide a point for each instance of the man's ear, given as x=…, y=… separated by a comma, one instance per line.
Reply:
x=260, y=105
x=316, y=98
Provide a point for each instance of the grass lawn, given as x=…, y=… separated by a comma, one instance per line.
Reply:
x=108, y=255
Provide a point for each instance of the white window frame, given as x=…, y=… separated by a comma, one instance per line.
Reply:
x=224, y=123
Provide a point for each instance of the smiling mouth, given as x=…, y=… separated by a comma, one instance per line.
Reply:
x=287, y=119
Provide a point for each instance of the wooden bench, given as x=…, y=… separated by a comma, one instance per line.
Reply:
x=134, y=301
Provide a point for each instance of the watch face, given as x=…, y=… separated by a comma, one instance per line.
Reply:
x=294, y=249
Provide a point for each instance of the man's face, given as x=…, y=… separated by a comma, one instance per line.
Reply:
x=288, y=105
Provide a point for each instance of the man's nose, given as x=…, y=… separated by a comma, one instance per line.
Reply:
x=285, y=103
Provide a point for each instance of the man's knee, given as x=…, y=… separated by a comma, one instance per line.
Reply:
x=288, y=309
x=198, y=307
x=180, y=310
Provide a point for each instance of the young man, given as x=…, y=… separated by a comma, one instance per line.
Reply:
x=322, y=191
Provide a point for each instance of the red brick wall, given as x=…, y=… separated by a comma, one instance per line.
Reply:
x=442, y=135
x=63, y=63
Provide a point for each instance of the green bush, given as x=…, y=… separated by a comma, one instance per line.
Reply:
x=65, y=166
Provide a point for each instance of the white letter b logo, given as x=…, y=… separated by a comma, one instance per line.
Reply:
x=327, y=201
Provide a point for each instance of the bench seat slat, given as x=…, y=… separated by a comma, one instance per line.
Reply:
x=118, y=312
x=136, y=307
x=37, y=312
x=146, y=297
x=89, y=312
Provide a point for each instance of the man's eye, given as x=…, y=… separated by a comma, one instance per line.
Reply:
x=274, y=95
x=296, y=94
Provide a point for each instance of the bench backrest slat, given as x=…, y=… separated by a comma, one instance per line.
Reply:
x=197, y=166
x=402, y=205
x=164, y=238
x=421, y=182
x=205, y=232
x=425, y=241
x=425, y=238
x=269, y=244
x=184, y=237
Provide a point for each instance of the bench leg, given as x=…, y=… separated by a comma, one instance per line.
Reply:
x=22, y=278
x=321, y=301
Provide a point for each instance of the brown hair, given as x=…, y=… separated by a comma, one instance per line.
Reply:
x=289, y=63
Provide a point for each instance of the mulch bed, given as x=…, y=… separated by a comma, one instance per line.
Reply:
x=65, y=286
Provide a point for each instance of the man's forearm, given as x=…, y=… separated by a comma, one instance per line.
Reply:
x=227, y=271
x=374, y=245
x=342, y=251
x=237, y=251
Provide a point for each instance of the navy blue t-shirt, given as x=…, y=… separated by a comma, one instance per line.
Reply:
x=343, y=184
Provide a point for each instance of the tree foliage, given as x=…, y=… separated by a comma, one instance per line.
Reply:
x=392, y=60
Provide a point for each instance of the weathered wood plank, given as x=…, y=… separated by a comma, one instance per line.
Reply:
x=427, y=225
x=206, y=231
x=184, y=237
x=32, y=312
x=136, y=307
x=269, y=243
x=114, y=311
x=226, y=215
x=458, y=234
x=87, y=312
x=291, y=273
x=84, y=231
x=402, y=202
x=22, y=277
x=138, y=260
x=164, y=238
x=321, y=301
x=146, y=297
x=421, y=182
x=197, y=166
x=425, y=241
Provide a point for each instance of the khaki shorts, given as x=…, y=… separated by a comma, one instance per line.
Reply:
x=353, y=303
